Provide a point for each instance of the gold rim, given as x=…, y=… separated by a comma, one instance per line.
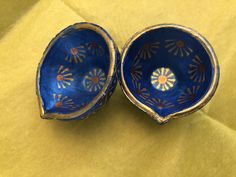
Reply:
x=112, y=55
x=186, y=111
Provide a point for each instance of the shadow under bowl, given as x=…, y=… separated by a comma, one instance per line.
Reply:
x=169, y=71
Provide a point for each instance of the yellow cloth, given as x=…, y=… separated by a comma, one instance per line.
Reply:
x=120, y=140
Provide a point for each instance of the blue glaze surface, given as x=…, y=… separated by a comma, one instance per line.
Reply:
x=74, y=71
x=167, y=50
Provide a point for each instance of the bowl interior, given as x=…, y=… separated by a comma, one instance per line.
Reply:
x=168, y=70
x=74, y=70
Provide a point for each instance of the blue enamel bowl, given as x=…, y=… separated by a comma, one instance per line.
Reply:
x=77, y=73
x=168, y=71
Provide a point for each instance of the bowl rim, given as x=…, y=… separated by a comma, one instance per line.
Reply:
x=112, y=57
x=202, y=102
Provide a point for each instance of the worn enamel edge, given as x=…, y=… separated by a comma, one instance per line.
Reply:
x=206, y=98
x=112, y=54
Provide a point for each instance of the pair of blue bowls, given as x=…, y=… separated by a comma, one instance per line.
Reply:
x=166, y=70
